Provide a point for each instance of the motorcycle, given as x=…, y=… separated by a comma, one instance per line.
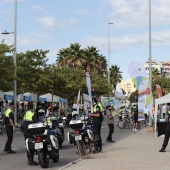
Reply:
x=58, y=125
x=82, y=135
x=44, y=143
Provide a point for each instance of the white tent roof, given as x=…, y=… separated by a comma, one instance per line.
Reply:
x=162, y=100
x=34, y=97
x=49, y=96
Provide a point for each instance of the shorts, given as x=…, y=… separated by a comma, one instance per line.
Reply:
x=120, y=118
x=135, y=118
x=146, y=116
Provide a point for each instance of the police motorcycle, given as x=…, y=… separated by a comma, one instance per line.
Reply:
x=44, y=142
x=82, y=135
x=58, y=125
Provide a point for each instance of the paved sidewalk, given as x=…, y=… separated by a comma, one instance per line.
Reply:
x=138, y=151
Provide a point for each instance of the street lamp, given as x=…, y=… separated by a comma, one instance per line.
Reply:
x=15, y=58
x=150, y=58
x=109, y=51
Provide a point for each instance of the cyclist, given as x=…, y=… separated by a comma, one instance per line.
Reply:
x=135, y=113
x=120, y=115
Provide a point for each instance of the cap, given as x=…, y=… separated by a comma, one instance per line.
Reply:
x=11, y=104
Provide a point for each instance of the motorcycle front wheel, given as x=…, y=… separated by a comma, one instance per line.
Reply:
x=56, y=156
x=43, y=159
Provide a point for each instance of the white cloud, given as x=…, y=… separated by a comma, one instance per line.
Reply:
x=160, y=38
x=38, y=7
x=48, y=22
x=69, y=22
x=7, y=1
x=136, y=12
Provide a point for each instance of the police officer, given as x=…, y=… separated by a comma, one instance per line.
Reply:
x=29, y=118
x=97, y=122
x=10, y=127
x=167, y=135
x=135, y=114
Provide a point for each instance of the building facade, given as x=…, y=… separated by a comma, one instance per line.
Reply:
x=162, y=66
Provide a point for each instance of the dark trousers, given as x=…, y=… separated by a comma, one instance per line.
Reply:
x=166, y=139
x=97, y=136
x=30, y=155
x=9, y=132
x=111, y=130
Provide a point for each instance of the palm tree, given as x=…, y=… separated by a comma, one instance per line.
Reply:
x=115, y=75
x=155, y=74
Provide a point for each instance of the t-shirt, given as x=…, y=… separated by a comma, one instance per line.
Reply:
x=108, y=114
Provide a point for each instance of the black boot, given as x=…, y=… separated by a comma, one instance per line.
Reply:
x=162, y=150
x=31, y=162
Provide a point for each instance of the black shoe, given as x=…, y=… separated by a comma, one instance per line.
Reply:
x=162, y=150
x=94, y=151
x=11, y=151
x=100, y=149
x=107, y=140
x=5, y=150
x=112, y=141
x=32, y=163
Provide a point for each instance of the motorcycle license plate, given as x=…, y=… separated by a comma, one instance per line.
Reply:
x=79, y=137
x=39, y=145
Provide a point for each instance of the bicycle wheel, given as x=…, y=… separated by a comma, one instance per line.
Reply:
x=121, y=124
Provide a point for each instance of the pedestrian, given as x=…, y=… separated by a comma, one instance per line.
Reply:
x=110, y=114
x=120, y=115
x=135, y=115
x=167, y=135
x=10, y=127
x=97, y=122
x=29, y=118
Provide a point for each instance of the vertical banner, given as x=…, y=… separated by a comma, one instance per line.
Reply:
x=78, y=100
x=86, y=101
x=159, y=90
x=88, y=81
x=139, y=75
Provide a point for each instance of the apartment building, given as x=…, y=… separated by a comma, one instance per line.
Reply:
x=162, y=66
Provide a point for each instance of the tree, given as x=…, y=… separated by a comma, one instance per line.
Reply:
x=87, y=59
x=115, y=75
x=134, y=97
x=6, y=67
x=31, y=71
x=155, y=74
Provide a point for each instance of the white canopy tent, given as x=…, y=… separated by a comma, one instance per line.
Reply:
x=51, y=98
x=162, y=100
x=34, y=97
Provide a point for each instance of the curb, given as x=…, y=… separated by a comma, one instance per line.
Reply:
x=69, y=164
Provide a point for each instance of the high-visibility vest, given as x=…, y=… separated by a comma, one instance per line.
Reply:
x=8, y=111
x=113, y=113
x=120, y=112
x=100, y=105
x=28, y=116
x=168, y=112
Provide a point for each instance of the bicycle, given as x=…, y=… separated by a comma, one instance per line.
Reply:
x=124, y=123
x=2, y=127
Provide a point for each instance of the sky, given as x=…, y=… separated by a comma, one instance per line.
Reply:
x=55, y=24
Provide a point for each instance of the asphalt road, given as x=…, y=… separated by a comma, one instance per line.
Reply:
x=68, y=154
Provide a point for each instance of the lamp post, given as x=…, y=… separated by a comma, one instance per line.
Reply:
x=15, y=58
x=109, y=51
x=150, y=57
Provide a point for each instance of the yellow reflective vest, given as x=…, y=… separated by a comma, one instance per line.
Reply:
x=120, y=112
x=28, y=116
x=8, y=111
x=100, y=105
